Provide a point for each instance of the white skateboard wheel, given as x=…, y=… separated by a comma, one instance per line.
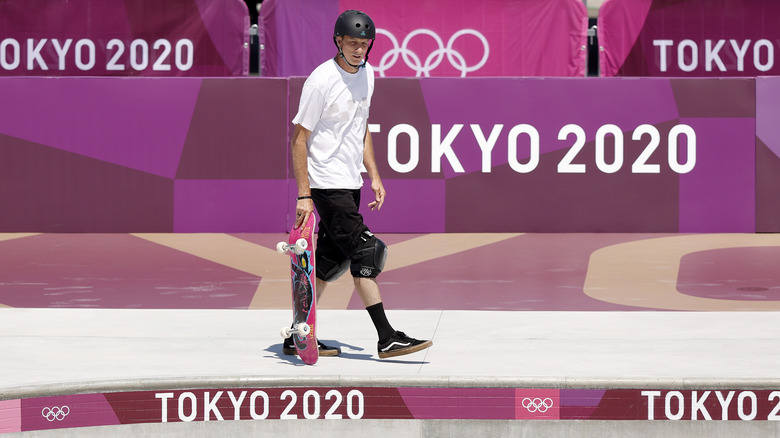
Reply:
x=281, y=247
x=304, y=329
x=301, y=245
x=285, y=332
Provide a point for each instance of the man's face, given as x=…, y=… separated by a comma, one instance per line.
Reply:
x=354, y=48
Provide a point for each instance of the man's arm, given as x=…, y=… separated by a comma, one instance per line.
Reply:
x=369, y=162
x=300, y=159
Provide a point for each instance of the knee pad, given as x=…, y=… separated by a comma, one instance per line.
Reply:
x=369, y=259
x=330, y=270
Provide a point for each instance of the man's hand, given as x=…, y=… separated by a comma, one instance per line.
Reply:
x=379, y=195
x=303, y=209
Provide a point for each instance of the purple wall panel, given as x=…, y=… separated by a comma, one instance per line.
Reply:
x=410, y=206
x=542, y=199
x=767, y=154
x=139, y=124
x=487, y=192
x=547, y=201
x=546, y=104
x=237, y=131
x=720, y=195
x=45, y=189
x=229, y=206
x=142, y=154
x=212, y=155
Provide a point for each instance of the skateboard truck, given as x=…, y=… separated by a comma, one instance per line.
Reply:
x=298, y=248
x=301, y=329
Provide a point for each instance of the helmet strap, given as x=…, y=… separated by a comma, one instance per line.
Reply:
x=341, y=55
x=365, y=59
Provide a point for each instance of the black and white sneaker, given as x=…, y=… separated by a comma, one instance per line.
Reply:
x=400, y=344
x=324, y=350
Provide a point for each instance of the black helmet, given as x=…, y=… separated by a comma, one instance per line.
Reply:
x=355, y=24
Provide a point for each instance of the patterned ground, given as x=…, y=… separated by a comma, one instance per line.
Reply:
x=582, y=272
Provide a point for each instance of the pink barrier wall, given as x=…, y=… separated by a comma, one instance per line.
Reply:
x=124, y=38
x=524, y=155
x=69, y=412
x=455, y=38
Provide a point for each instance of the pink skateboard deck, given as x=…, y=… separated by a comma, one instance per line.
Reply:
x=300, y=247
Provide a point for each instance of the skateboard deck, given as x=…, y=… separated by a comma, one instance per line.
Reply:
x=300, y=247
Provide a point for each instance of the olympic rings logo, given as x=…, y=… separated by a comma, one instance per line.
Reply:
x=537, y=404
x=414, y=62
x=55, y=413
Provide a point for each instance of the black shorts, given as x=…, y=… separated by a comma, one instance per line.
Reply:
x=340, y=225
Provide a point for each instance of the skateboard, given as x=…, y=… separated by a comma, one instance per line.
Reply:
x=301, y=250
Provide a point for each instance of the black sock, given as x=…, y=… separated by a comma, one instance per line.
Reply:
x=383, y=327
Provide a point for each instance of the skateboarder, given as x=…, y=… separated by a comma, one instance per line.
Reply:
x=330, y=144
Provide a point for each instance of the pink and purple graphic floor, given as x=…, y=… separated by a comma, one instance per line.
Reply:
x=533, y=272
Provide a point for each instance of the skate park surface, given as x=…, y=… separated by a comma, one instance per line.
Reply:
x=674, y=316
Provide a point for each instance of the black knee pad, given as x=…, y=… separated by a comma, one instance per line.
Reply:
x=369, y=259
x=330, y=270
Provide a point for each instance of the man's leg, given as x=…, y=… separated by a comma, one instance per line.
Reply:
x=368, y=289
x=342, y=225
x=320, y=285
x=391, y=342
x=367, y=262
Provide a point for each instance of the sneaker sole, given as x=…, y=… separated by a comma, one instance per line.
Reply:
x=404, y=351
x=323, y=353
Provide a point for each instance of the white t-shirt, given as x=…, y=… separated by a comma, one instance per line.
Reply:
x=334, y=107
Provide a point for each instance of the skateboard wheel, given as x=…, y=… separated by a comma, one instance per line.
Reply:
x=301, y=245
x=281, y=247
x=304, y=329
x=285, y=332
